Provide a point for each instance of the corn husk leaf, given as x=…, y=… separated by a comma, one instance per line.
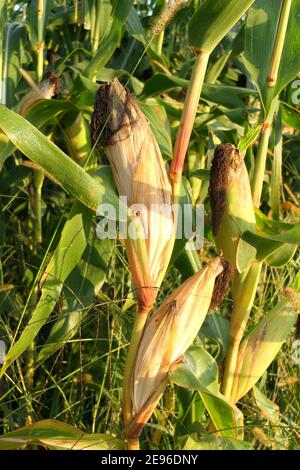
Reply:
x=58, y=436
x=260, y=347
x=213, y=20
x=231, y=203
x=163, y=342
x=121, y=128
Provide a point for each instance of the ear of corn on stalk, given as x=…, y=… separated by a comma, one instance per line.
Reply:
x=121, y=128
x=166, y=337
x=231, y=200
x=260, y=346
x=232, y=214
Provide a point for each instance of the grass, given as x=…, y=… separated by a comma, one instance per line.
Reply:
x=82, y=383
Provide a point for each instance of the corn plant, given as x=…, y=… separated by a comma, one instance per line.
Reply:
x=116, y=332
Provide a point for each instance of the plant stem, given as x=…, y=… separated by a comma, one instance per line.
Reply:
x=243, y=289
x=160, y=41
x=96, y=32
x=138, y=328
x=38, y=179
x=1, y=70
x=40, y=45
x=29, y=380
x=133, y=444
x=160, y=38
x=260, y=164
x=75, y=11
x=92, y=21
x=279, y=42
x=188, y=119
x=276, y=177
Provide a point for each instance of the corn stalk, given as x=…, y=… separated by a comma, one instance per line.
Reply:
x=270, y=103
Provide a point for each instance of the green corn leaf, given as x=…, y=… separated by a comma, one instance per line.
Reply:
x=274, y=241
x=43, y=111
x=259, y=39
x=245, y=254
x=159, y=124
x=260, y=347
x=62, y=64
x=12, y=60
x=290, y=116
x=260, y=33
x=282, y=255
x=58, y=436
x=249, y=139
x=289, y=236
x=3, y=17
x=201, y=174
x=266, y=246
x=32, y=20
x=188, y=262
x=213, y=20
x=290, y=60
x=79, y=291
x=60, y=15
x=39, y=114
x=199, y=371
x=276, y=176
x=105, y=51
x=66, y=255
x=268, y=408
x=135, y=27
x=270, y=226
x=207, y=441
x=112, y=40
x=216, y=328
x=54, y=161
x=229, y=96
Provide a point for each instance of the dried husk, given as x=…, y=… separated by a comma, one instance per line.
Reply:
x=167, y=335
x=45, y=90
x=139, y=171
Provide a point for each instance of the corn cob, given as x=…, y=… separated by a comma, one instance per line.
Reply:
x=121, y=128
x=232, y=214
x=260, y=346
x=167, y=335
x=231, y=200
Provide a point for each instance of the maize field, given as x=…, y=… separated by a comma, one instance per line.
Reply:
x=150, y=224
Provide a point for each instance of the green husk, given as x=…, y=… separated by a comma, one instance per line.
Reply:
x=260, y=347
